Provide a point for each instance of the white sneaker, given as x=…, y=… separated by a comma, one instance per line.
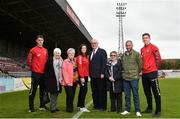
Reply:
x=138, y=114
x=42, y=109
x=83, y=109
x=125, y=112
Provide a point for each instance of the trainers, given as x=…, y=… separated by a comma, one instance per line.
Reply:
x=125, y=112
x=31, y=110
x=138, y=114
x=83, y=109
x=43, y=108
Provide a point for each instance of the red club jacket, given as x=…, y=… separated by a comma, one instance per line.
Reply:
x=83, y=65
x=151, y=58
x=37, y=58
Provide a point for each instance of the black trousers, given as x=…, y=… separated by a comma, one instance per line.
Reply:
x=82, y=94
x=150, y=81
x=36, y=79
x=116, y=101
x=70, y=93
x=99, y=93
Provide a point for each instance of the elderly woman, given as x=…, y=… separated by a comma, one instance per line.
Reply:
x=70, y=77
x=53, y=78
x=114, y=73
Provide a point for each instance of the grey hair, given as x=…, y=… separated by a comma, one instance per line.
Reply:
x=71, y=49
x=57, y=50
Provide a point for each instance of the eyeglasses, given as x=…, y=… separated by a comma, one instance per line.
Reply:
x=113, y=55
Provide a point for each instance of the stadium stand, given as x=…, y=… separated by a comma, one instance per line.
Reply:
x=12, y=68
x=22, y=20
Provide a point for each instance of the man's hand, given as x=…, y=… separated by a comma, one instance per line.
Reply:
x=140, y=73
x=102, y=76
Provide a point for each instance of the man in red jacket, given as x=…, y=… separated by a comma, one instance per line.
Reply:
x=151, y=62
x=36, y=61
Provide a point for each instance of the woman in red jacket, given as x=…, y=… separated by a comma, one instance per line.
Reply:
x=83, y=70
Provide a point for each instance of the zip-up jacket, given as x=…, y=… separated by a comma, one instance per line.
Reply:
x=151, y=58
x=83, y=65
x=132, y=65
x=37, y=58
x=68, y=72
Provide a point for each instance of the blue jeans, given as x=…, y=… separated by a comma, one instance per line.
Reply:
x=128, y=85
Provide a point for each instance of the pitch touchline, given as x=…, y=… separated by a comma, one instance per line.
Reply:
x=78, y=114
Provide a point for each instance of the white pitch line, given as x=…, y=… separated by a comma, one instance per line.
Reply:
x=78, y=114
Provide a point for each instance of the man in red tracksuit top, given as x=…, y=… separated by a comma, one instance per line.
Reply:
x=36, y=60
x=151, y=62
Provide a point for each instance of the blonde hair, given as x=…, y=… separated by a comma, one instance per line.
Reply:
x=71, y=49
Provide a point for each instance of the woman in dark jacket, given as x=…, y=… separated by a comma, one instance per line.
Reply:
x=53, y=77
x=114, y=74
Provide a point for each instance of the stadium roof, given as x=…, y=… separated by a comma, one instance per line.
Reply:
x=22, y=20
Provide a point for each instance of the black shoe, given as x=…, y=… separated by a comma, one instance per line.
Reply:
x=96, y=109
x=31, y=110
x=119, y=111
x=113, y=110
x=69, y=110
x=157, y=114
x=57, y=110
x=147, y=110
x=53, y=111
x=103, y=110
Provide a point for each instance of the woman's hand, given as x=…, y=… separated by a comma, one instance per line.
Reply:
x=70, y=84
x=111, y=79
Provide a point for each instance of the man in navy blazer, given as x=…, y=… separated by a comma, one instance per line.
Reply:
x=98, y=62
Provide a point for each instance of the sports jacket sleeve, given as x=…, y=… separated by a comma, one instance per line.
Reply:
x=29, y=58
x=80, y=66
x=157, y=57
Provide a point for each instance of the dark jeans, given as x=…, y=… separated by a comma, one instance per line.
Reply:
x=70, y=93
x=37, y=79
x=116, y=101
x=82, y=94
x=150, y=81
x=99, y=93
x=128, y=86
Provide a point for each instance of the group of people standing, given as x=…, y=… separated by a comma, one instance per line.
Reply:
x=114, y=74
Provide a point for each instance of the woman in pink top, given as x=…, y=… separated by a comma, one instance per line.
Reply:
x=70, y=77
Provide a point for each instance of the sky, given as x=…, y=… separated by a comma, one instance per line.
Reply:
x=160, y=18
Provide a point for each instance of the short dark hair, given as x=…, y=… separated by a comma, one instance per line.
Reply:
x=39, y=36
x=129, y=41
x=145, y=34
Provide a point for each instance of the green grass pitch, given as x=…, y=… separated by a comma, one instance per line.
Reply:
x=15, y=104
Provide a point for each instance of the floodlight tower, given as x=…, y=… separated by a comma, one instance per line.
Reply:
x=120, y=13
